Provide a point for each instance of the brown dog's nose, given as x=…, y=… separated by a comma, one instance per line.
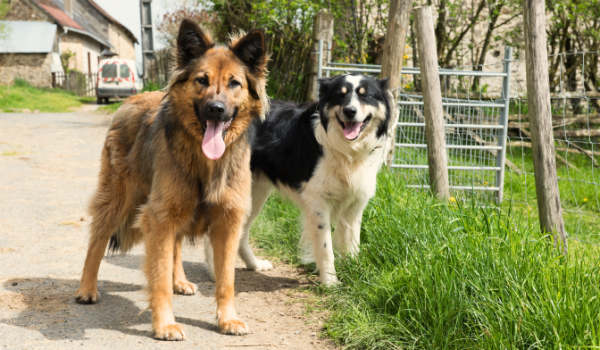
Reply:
x=214, y=110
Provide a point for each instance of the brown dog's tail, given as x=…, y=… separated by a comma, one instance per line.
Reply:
x=126, y=236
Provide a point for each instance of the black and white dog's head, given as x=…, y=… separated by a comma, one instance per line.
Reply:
x=355, y=107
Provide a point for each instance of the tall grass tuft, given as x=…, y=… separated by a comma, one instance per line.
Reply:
x=432, y=275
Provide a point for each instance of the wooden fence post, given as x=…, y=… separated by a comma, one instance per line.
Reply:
x=540, y=116
x=432, y=103
x=391, y=62
x=323, y=29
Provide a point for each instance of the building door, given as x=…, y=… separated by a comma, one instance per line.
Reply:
x=89, y=63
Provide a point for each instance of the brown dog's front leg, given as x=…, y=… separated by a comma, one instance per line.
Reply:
x=224, y=237
x=160, y=243
x=180, y=283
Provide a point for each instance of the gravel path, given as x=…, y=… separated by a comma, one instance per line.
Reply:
x=48, y=169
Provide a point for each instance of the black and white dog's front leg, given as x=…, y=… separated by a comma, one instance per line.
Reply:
x=346, y=238
x=317, y=230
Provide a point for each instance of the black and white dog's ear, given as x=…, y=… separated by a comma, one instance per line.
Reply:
x=324, y=84
x=192, y=42
x=384, y=84
x=252, y=50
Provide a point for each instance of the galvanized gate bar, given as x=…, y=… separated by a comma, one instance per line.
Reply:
x=422, y=145
x=450, y=167
x=468, y=188
x=501, y=156
x=464, y=126
x=467, y=103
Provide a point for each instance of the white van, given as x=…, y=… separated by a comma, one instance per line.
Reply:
x=117, y=78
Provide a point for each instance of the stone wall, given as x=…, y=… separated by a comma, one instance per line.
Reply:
x=32, y=67
x=24, y=10
x=124, y=46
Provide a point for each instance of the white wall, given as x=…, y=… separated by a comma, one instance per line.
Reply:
x=93, y=48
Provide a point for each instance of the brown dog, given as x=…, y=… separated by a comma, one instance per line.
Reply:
x=182, y=169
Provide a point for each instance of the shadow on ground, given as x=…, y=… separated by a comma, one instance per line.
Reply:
x=47, y=305
x=245, y=280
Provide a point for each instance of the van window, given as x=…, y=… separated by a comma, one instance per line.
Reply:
x=124, y=70
x=109, y=71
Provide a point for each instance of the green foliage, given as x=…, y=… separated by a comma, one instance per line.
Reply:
x=18, y=82
x=22, y=95
x=65, y=60
x=288, y=25
x=5, y=31
x=151, y=86
x=431, y=275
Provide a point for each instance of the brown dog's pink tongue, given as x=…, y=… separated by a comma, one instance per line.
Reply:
x=213, y=145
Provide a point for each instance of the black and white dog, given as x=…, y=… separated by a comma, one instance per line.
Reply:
x=325, y=157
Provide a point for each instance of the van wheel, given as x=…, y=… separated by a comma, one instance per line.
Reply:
x=99, y=100
x=106, y=100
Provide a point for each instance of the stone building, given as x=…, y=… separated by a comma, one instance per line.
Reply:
x=82, y=31
x=34, y=59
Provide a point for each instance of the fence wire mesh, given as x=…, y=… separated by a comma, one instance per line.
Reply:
x=576, y=126
x=473, y=108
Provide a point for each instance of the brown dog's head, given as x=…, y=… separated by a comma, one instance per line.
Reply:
x=218, y=89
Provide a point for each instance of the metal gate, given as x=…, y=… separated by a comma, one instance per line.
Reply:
x=476, y=129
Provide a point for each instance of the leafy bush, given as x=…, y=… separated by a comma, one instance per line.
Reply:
x=151, y=86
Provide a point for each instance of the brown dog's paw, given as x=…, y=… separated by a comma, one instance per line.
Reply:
x=185, y=288
x=87, y=296
x=234, y=326
x=169, y=332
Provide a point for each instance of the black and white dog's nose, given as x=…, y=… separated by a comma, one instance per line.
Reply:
x=214, y=110
x=350, y=112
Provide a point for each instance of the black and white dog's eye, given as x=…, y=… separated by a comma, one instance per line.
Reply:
x=234, y=84
x=202, y=81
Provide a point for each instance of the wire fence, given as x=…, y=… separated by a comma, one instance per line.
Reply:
x=82, y=84
x=576, y=125
x=475, y=127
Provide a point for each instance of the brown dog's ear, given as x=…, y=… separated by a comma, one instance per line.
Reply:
x=251, y=50
x=192, y=42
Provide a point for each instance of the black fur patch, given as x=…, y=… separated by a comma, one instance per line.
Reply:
x=251, y=50
x=114, y=245
x=284, y=146
x=192, y=42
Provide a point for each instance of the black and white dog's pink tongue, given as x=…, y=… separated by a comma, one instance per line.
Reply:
x=213, y=145
x=351, y=130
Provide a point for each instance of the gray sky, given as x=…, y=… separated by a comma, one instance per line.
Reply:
x=128, y=13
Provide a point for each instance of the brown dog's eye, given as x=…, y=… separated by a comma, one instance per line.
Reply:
x=202, y=81
x=234, y=84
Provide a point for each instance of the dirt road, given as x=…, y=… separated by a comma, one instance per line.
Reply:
x=48, y=168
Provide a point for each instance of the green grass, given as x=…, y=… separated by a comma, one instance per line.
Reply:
x=23, y=96
x=436, y=276
x=578, y=193
x=112, y=107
